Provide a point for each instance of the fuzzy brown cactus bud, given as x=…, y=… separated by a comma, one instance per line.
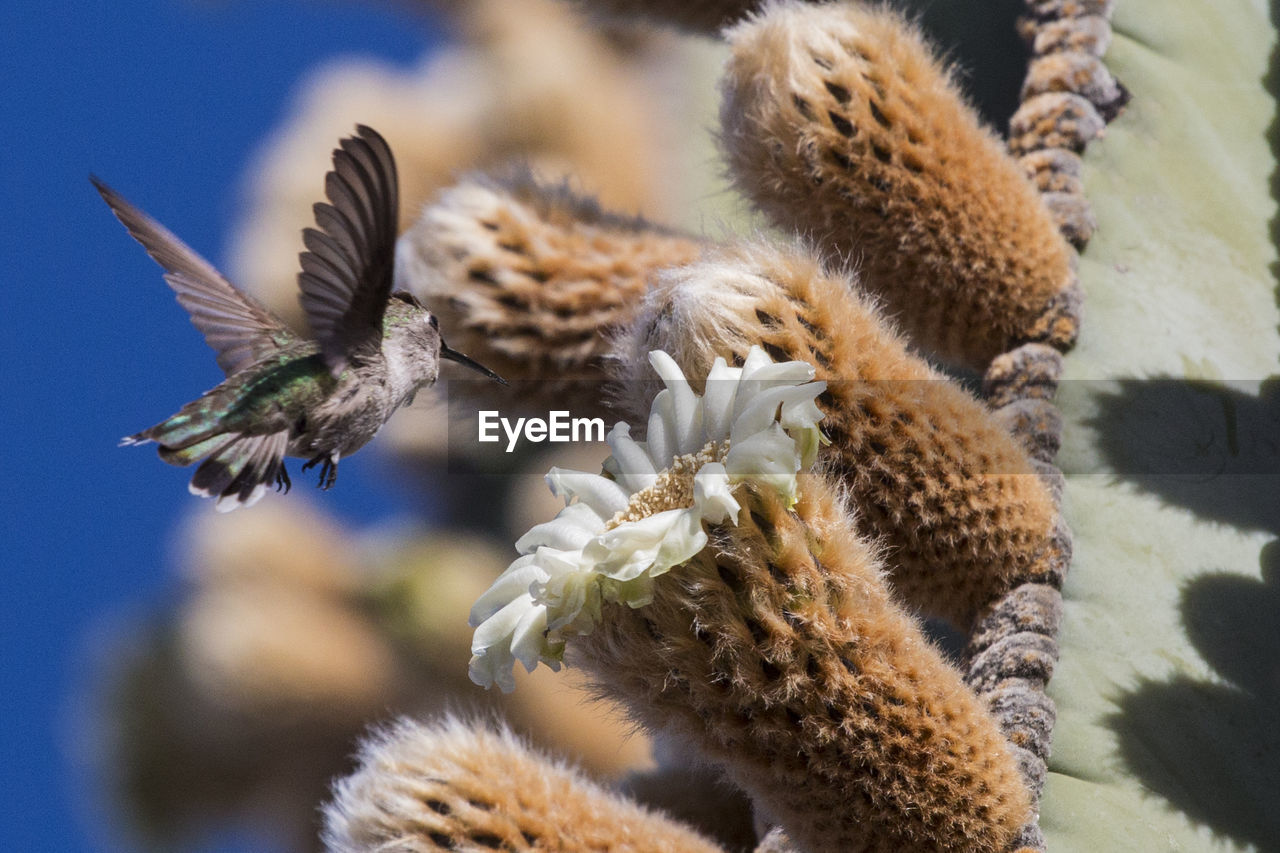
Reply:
x=931, y=472
x=837, y=121
x=779, y=654
x=457, y=786
x=531, y=279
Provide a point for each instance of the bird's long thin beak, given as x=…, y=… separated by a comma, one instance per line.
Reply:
x=454, y=355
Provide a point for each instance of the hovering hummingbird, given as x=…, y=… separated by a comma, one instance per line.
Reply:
x=318, y=398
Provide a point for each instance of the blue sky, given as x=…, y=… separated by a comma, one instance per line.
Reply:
x=167, y=101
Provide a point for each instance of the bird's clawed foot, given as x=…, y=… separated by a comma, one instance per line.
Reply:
x=328, y=470
x=283, y=483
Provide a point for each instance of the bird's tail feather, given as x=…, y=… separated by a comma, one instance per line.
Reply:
x=190, y=426
x=192, y=453
x=239, y=472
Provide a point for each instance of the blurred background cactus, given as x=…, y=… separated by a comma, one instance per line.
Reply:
x=224, y=706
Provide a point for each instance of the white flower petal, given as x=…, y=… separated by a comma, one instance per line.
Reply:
x=631, y=548
x=555, y=563
x=490, y=667
x=767, y=452
x=660, y=439
x=713, y=495
x=769, y=456
x=686, y=407
x=636, y=592
x=510, y=585
x=572, y=600
x=683, y=541
x=528, y=638
x=762, y=411
x=800, y=418
x=572, y=528
x=633, y=467
x=801, y=411
x=500, y=625
x=762, y=382
x=766, y=376
x=717, y=401
x=756, y=359
x=603, y=495
x=784, y=373
x=492, y=654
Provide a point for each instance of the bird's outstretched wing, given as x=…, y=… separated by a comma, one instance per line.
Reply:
x=238, y=327
x=348, y=266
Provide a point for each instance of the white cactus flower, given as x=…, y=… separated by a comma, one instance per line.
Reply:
x=644, y=515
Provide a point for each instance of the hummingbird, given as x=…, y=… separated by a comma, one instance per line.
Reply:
x=319, y=398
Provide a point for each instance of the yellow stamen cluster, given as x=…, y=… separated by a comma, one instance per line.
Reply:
x=673, y=488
